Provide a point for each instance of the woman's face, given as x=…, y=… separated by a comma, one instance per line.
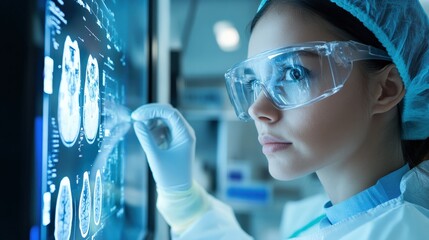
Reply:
x=303, y=140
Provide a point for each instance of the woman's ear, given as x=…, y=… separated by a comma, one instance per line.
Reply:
x=389, y=89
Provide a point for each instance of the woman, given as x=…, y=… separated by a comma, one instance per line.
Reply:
x=337, y=88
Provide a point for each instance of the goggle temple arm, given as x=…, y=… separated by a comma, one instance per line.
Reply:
x=354, y=51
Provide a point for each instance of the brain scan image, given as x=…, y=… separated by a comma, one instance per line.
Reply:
x=85, y=206
x=63, y=211
x=68, y=96
x=98, y=197
x=91, y=100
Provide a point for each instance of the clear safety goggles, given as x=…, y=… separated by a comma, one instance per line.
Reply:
x=295, y=76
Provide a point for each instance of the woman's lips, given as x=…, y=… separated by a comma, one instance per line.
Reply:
x=271, y=144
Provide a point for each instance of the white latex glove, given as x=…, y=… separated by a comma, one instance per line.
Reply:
x=171, y=167
x=180, y=200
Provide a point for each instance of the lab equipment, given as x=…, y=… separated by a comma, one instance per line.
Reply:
x=297, y=75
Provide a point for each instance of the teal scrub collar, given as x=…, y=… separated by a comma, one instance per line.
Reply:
x=261, y=5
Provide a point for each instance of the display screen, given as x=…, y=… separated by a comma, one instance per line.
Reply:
x=85, y=119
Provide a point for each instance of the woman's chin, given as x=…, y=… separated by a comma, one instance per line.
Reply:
x=284, y=174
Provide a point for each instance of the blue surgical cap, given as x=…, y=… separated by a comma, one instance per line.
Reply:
x=402, y=26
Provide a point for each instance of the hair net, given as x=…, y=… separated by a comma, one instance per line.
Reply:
x=402, y=27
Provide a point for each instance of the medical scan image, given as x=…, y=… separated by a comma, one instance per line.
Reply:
x=91, y=100
x=63, y=211
x=68, y=103
x=85, y=206
x=98, y=197
x=83, y=150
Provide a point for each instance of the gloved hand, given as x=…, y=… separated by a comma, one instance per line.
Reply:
x=171, y=167
x=180, y=200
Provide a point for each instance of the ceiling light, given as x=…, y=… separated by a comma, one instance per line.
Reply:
x=227, y=36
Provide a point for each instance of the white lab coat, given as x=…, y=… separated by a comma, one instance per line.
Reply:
x=404, y=217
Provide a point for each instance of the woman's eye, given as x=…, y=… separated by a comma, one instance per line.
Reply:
x=295, y=73
x=250, y=81
x=251, y=84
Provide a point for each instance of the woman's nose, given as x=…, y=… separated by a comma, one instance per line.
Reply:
x=264, y=110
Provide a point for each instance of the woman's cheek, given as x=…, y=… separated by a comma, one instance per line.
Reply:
x=327, y=127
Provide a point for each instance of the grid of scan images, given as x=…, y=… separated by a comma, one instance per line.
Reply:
x=82, y=182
